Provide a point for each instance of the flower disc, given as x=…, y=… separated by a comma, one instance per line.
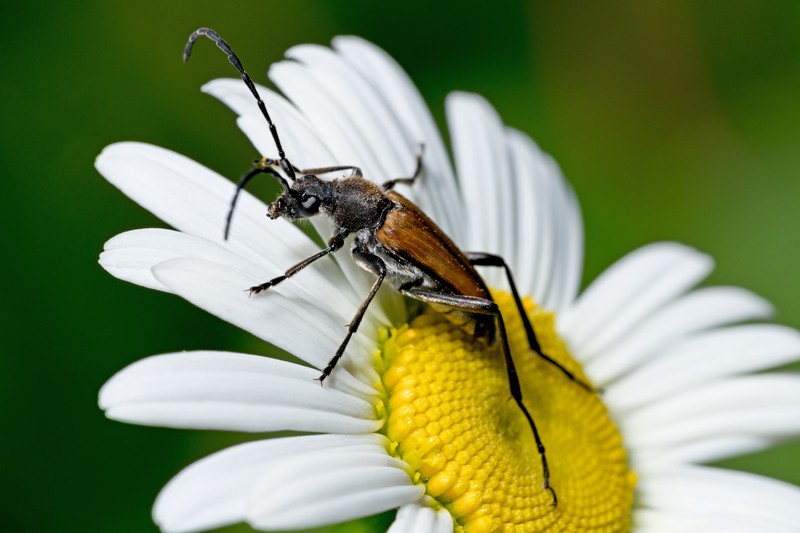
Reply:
x=453, y=420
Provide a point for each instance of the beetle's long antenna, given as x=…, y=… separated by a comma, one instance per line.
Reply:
x=242, y=184
x=222, y=45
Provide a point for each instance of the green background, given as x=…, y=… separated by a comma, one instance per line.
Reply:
x=674, y=120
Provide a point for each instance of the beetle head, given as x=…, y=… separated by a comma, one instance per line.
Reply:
x=303, y=199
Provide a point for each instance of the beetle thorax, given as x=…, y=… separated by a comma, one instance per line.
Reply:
x=358, y=204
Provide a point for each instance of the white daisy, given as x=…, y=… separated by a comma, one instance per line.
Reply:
x=417, y=415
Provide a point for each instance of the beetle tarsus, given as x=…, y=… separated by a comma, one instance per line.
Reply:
x=547, y=487
x=258, y=289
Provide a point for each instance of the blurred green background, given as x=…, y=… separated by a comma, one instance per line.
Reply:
x=674, y=120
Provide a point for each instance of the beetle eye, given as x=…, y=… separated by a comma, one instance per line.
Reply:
x=310, y=203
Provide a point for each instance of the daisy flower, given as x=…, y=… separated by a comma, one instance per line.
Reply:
x=417, y=416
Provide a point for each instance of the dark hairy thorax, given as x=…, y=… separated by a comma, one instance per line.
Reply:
x=358, y=204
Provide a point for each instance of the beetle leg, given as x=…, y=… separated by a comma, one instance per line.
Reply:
x=389, y=185
x=356, y=171
x=482, y=306
x=484, y=259
x=269, y=162
x=379, y=268
x=273, y=163
x=334, y=243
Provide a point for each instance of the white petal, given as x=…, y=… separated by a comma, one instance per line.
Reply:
x=704, y=450
x=703, y=358
x=317, y=488
x=303, y=146
x=393, y=153
x=766, y=405
x=519, y=205
x=649, y=521
x=416, y=517
x=321, y=110
x=709, y=493
x=195, y=200
x=484, y=170
x=568, y=247
x=438, y=193
x=536, y=233
x=627, y=293
x=234, y=392
x=215, y=491
x=133, y=262
x=696, y=311
x=289, y=302
x=550, y=229
x=294, y=326
x=133, y=254
x=529, y=217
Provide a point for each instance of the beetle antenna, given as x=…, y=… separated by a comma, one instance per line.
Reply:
x=222, y=45
x=242, y=184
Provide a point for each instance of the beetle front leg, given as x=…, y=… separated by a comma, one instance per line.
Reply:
x=484, y=259
x=334, y=243
x=354, y=171
x=270, y=162
x=377, y=266
x=482, y=306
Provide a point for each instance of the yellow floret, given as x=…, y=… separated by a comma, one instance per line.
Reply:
x=452, y=419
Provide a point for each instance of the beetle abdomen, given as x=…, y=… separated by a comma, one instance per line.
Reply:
x=410, y=234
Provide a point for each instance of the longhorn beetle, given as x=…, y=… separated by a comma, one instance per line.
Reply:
x=396, y=241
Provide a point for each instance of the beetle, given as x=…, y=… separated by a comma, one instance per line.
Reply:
x=396, y=241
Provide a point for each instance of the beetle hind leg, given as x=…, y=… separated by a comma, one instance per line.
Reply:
x=484, y=259
x=482, y=306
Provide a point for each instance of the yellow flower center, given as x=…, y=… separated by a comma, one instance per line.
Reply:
x=452, y=419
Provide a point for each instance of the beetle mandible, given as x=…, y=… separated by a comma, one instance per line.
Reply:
x=396, y=241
